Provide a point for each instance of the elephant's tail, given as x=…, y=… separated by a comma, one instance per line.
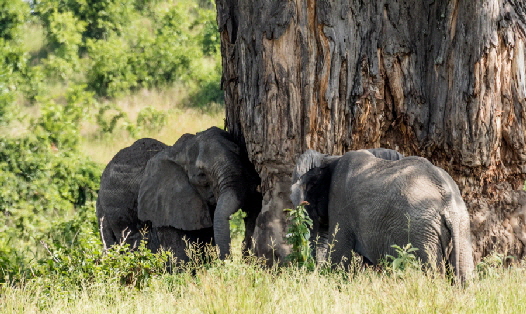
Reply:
x=457, y=221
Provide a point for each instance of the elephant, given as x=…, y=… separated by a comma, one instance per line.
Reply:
x=188, y=190
x=116, y=206
x=365, y=201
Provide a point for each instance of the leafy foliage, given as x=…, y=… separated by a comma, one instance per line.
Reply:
x=83, y=261
x=298, y=236
x=121, y=45
x=405, y=259
x=108, y=121
x=44, y=180
x=93, y=51
x=65, y=36
x=13, y=14
x=237, y=224
x=151, y=119
x=490, y=266
x=13, y=59
x=102, y=17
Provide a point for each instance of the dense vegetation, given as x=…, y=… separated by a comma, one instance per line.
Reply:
x=70, y=76
x=78, y=82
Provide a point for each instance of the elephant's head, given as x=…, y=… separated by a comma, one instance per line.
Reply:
x=311, y=180
x=198, y=183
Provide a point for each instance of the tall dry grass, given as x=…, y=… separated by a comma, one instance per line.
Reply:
x=180, y=119
x=238, y=287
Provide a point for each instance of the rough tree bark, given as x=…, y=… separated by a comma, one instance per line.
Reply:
x=441, y=79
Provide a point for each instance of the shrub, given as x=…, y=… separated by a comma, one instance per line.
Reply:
x=13, y=63
x=44, y=179
x=491, y=265
x=405, y=259
x=151, y=119
x=79, y=258
x=237, y=224
x=13, y=14
x=65, y=38
x=108, y=117
x=111, y=72
x=101, y=17
x=298, y=236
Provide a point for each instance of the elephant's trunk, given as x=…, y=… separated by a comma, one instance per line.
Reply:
x=462, y=254
x=227, y=204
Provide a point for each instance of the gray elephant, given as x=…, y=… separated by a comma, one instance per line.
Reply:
x=119, y=188
x=367, y=200
x=188, y=190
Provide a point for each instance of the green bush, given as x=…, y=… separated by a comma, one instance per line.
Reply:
x=111, y=71
x=405, y=259
x=491, y=265
x=298, y=235
x=237, y=224
x=151, y=119
x=108, y=117
x=13, y=14
x=102, y=17
x=13, y=64
x=209, y=35
x=44, y=180
x=80, y=259
x=65, y=36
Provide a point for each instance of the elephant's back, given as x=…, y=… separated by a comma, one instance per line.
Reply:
x=389, y=197
x=138, y=154
x=121, y=178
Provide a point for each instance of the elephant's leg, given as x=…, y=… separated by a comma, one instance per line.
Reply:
x=319, y=241
x=341, y=244
x=250, y=225
x=322, y=244
x=174, y=240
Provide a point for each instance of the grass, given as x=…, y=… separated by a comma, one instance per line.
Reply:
x=101, y=147
x=179, y=120
x=239, y=287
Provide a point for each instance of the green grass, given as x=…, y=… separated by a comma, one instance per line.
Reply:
x=238, y=287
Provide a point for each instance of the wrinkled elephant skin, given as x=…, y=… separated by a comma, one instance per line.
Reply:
x=188, y=190
x=368, y=200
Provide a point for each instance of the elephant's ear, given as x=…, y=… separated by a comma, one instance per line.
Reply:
x=316, y=184
x=166, y=197
x=311, y=159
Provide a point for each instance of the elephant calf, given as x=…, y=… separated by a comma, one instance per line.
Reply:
x=188, y=190
x=377, y=198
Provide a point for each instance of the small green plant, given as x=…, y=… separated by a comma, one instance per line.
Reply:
x=82, y=260
x=107, y=118
x=298, y=235
x=404, y=260
x=489, y=266
x=237, y=224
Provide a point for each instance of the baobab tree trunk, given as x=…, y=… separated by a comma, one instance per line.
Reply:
x=445, y=80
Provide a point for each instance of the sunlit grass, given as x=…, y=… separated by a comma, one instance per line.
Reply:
x=179, y=120
x=239, y=287
x=33, y=37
